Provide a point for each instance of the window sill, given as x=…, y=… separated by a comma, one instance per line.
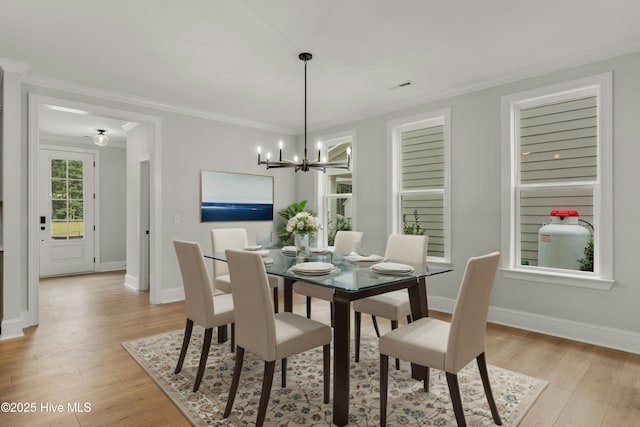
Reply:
x=443, y=264
x=575, y=280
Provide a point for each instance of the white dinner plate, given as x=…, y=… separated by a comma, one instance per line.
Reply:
x=253, y=248
x=392, y=268
x=364, y=259
x=319, y=251
x=312, y=267
x=314, y=273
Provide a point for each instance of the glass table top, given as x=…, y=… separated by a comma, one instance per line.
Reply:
x=349, y=276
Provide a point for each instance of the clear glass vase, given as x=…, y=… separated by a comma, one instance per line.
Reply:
x=302, y=244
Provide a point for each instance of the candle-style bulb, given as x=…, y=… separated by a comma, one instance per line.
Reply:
x=281, y=144
x=295, y=158
x=269, y=156
x=319, y=145
x=324, y=159
x=348, y=151
x=259, y=150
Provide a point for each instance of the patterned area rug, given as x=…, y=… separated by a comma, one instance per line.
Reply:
x=301, y=402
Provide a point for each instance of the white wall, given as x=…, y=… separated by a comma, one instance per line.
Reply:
x=113, y=184
x=139, y=148
x=606, y=317
x=191, y=145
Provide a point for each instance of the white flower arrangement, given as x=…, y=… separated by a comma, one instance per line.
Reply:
x=303, y=223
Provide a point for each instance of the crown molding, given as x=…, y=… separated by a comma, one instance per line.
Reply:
x=13, y=66
x=631, y=46
x=78, y=89
x=78, y=141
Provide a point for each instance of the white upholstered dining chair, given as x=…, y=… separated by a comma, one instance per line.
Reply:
x=392, y=305
x=449, y=347
x=233, y=238
x=345, y=242
x=267, y=335
x=202, y=307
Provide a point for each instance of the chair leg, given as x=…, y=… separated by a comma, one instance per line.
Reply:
x=454, y=391
x=283, y=380
x=357, y=325
x=394, y=325
x=185, y=344
x=267, y=381
x=375, y=326
x=425, y=380
x=326, y=369
x=408, y=319
x=233, y=337
x=308, y=307
x=275, y=299
x=208, y=334
x=482, y=367
x=234, y=382
x=384, y=384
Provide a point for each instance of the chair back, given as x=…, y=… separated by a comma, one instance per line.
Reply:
x=345, y=241
x=469, y=320
x=195, y=279
x=407, y=248
x=255, y=321
x=223, y=239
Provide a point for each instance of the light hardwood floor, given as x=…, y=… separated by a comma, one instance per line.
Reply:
x=75, y=355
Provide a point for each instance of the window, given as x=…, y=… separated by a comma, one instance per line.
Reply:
x=421, y=180
x=336, y=190
x=67, y=199
x=557, y=154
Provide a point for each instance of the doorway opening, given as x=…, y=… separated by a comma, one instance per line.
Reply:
x=65, y=206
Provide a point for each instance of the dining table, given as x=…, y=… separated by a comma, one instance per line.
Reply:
x=351, y=279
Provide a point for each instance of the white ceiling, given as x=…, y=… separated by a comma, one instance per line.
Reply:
x=240, y=58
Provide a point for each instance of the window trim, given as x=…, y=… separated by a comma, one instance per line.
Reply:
x=601, y=86
x=394, y=131
x=332, y=139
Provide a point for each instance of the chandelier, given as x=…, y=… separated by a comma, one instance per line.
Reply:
x=306, y=163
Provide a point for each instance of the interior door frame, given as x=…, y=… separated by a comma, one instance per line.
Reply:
x=96, y=190
x=35, y=101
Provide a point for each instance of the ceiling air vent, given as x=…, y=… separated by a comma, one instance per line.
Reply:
x=403, y=84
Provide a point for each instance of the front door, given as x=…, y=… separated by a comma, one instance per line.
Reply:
x=66, y=212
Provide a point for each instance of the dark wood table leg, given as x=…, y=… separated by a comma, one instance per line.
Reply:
x=341, y=349
x=419, y=308
x=222, y=334
x=288, y=294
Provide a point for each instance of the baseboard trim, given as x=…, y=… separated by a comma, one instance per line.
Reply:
x=11, y=328
x=172, y=295
x=618, y=339
x=131, y=282
x=111, y=266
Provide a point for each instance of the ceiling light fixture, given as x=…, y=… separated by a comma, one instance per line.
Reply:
x=305, y=164
x=101, y=139
x=65, y=109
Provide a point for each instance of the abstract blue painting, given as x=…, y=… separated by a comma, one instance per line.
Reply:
x=227, y=196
